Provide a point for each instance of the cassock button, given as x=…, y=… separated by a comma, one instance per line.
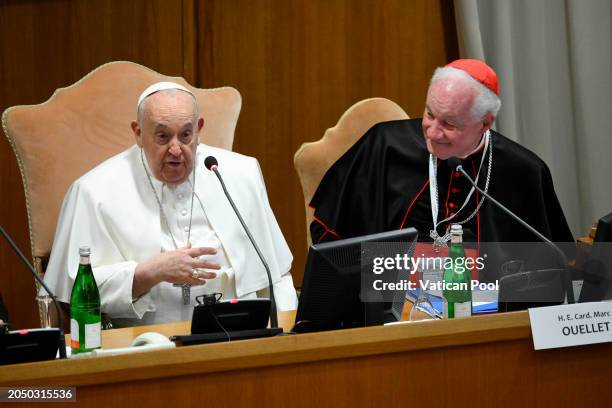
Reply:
x=452, y=205
x=186, y=228
x=455, y=190
x=457, y=174
x=183, y=212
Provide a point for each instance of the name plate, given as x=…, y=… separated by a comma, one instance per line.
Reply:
x=571, y=325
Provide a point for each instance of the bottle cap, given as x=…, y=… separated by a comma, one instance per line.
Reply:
x=84, y=251
x=456, y=229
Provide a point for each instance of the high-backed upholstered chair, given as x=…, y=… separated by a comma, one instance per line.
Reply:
x=312, y=160
x=84, y=124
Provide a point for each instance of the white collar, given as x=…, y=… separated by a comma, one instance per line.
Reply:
x=483, y=138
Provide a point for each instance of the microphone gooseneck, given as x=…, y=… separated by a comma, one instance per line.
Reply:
x=62, y=345
x=456, y=163
x=211, y=164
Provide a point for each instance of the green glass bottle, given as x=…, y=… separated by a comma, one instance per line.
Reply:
x=85, y=317
x=457, y=279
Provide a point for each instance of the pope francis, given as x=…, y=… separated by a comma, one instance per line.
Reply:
x=160, y=229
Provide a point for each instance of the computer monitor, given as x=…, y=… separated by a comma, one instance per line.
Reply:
x=332, y=295
x=597, y=270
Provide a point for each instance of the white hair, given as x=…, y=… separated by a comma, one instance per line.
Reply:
x=486, y=100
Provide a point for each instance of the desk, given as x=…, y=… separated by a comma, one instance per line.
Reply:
x=123, y=337
x=375, y=366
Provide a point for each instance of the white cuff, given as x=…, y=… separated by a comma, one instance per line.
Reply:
x=116, y=292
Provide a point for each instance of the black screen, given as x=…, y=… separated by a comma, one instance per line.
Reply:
x=332, y=297
x=597, y=270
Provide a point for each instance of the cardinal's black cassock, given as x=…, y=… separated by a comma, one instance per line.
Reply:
x=382, y=183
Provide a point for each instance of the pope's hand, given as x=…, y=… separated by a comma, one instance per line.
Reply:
x=179, y=266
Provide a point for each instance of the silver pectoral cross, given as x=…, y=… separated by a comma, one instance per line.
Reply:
x=186, y=291
x=439, y=241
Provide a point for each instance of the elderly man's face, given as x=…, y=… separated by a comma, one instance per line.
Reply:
x=169, y=134
x=448, y=126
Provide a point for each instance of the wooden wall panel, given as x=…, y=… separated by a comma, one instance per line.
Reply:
x=300, y=64
x=49, y=44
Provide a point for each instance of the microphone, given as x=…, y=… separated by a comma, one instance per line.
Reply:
x=61, y=340
x=455, y=163
x=211, y=164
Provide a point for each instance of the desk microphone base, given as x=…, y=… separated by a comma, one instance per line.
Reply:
x=191, y=339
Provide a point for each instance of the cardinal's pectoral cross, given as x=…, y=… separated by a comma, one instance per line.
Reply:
x=186, y=290
x=439, y=241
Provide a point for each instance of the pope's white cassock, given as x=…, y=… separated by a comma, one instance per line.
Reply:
x=113, y=209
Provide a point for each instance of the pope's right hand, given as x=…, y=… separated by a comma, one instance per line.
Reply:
x=182, y=265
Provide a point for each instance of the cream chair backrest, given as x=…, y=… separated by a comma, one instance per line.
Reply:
x=84, y=124
x=312, y=160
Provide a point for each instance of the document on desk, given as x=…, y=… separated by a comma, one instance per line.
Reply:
x=571, y=325
x=429, y=277
x=483, y=302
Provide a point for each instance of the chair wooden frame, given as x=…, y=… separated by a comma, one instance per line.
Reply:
x=312, y=160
